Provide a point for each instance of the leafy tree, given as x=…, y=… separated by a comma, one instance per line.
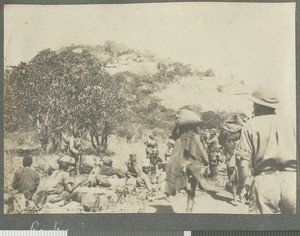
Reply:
x=65, y=89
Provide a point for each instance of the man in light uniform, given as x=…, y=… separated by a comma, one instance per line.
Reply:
x=268, y=147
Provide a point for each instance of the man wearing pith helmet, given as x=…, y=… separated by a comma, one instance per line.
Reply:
x=268, y=146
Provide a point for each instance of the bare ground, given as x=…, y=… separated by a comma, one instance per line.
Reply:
x=217, y=200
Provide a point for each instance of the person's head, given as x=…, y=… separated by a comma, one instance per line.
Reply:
x=171, y=143
x=27, y=161
x=88, y=164
x=151, y=136
x=63, y=165
x=107, y=161
x=76, y=133
x=64, y=162
x=214, y=132
x=72, y=171
x=146, y=166
x=132, y=158
x=265, y=101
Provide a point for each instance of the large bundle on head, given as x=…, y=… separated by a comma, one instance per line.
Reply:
x=231, y=129
x=187, y=118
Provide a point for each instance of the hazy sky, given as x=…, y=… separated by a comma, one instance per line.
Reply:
x=254, y=42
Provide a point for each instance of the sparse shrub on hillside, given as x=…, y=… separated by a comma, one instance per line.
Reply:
x=209, y=73
x=115, y=49
x=220, y=88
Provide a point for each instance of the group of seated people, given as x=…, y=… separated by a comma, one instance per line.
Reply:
x=63, y=180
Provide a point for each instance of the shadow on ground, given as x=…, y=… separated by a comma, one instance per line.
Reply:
x=215, y=196
x=163, y=209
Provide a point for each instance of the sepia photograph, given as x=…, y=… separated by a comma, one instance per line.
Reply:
x=186, y=107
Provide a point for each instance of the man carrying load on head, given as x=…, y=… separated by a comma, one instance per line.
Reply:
x=184, y=167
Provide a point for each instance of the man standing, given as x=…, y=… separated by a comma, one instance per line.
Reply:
x=184, y=167
x=268, y=147
x=75, y=148
x=213, y=148
x=151, y=146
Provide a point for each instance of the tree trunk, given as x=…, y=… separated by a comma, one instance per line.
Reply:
x=92, y=140
x=54, y=140
x=44, y=138
x=97, y=140
x=56, y=137
x=104, y=138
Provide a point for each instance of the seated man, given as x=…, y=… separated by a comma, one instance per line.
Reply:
x=133, y=167
x=143, y=180
x=91, y=176
x=107, y=169
x=60, y=185
x=26, y=180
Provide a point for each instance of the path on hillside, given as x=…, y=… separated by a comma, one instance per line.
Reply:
x=205, y=203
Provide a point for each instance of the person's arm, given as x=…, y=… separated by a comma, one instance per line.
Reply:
x=204, y=154
x=69, y=184
x=16, y=181
x=72, y=143
x=119, y=173
x=36, y=182
x=147, y=181
x=71, y=187
x=175, y=133
x=244, y=152
x=137, y=168
x=209, y=141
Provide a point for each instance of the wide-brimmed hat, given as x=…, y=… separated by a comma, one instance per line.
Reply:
x=67, y=159
x=265, y=97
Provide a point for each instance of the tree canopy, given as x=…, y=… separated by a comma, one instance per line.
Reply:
x=64, y=89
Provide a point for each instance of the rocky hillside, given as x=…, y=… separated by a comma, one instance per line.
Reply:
x=178, y=84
